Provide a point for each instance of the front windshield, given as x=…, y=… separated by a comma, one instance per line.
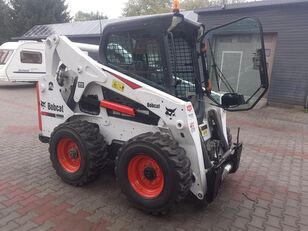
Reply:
x=4, y=56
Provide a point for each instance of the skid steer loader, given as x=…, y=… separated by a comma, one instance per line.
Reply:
x=148, y=105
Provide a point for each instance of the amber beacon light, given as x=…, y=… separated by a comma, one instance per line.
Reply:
x=176, y=6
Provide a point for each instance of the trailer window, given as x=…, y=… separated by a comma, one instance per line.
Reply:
x=31, y=57
x=4, y=56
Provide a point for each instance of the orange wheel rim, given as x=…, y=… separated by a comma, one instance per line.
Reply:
x=145, y=176
x=68, y=154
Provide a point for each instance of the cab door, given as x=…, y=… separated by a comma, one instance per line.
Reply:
x=236, y=64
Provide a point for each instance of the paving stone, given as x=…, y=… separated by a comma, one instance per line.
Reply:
x=260, y=212
x=277, y=212
x=303, y=227
x=10, y=226
x=291, y=211
x=303, y=220
x=251, y=228
x=28, y=226
x=290, y=220
x=278, y=203
x=304, y=210
x=10, y=217
x=245, y=213
x=273, y=221
x=289, y=228
x=44, y=227
x=257, y=222
x=24, y=219
x=270, y=228
x=7, y=210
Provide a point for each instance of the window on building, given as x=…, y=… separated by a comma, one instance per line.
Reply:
x=4, y=56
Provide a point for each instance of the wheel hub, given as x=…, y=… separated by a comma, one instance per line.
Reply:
x=68, y=154
x=149, y=173
x=146, y=176
x=73, y=153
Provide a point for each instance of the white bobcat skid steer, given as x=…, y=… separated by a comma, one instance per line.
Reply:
x=147, y=106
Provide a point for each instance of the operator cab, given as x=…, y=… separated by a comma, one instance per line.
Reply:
x=142, y=48
x=164, y=51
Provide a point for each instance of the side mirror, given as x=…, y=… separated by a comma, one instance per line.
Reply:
x=232, y=99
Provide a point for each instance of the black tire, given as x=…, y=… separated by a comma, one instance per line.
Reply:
x=91, y=149
x=173, y=163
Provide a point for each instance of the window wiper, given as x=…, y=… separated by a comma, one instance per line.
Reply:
x=221, y=76
x=214, y=65
x=218, y=72
x=170, y=35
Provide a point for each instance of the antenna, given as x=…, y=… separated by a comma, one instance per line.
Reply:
x=100, y=27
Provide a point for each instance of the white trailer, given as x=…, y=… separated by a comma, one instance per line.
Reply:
x=24, y=61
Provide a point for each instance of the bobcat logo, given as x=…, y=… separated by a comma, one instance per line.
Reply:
x=170, y=112
x=43, y=104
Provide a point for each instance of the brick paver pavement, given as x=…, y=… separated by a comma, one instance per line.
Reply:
x=269, y=192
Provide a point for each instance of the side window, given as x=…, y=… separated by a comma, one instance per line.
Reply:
x=4, y=56
x=119, y=50
x=138, y=54
x=32, y=57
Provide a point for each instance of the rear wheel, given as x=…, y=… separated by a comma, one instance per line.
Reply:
x=154, y=172
x=77, y=152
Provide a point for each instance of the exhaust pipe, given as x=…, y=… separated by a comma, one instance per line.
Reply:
x=226, y=171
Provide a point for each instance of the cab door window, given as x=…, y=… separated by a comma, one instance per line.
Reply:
x=4, y=56
x=237, y=63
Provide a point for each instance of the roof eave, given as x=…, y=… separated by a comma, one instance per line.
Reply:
x=249, y=5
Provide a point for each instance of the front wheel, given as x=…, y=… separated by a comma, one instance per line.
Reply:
x=154, y=172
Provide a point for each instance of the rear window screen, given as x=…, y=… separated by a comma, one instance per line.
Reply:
x=4, y=56
x=31, y=57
